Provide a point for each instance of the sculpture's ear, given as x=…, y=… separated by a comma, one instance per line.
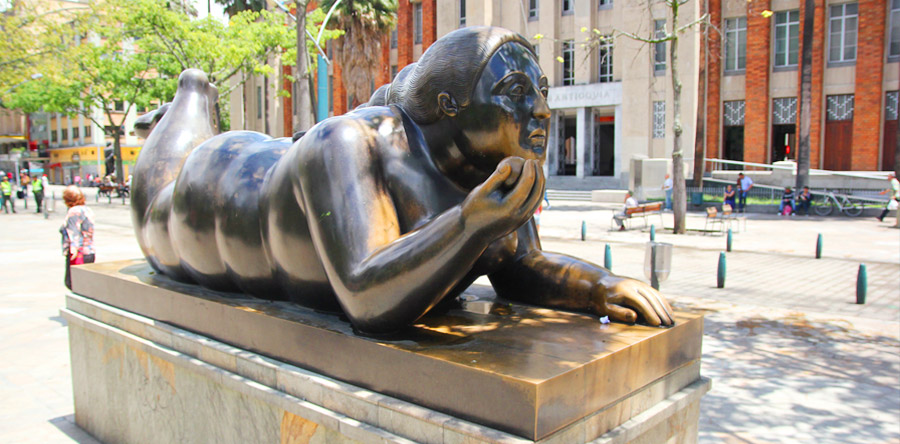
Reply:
x=448, y=104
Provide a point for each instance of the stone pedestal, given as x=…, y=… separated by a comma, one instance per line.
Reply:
x=158, y=361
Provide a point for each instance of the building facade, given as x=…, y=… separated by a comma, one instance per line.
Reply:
x=753, y=100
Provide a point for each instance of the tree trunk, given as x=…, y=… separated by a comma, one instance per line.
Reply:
x=805, y=118
x=117, y=151
x=679, y=200
x=700, y=136
x=304, y=107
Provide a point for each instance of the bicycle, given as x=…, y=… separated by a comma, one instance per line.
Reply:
x=824, y=203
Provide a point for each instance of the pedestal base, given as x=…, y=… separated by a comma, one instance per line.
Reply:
x=137, y=379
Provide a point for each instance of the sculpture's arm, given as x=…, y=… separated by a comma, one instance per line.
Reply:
x=384, y=278
x=567, y=283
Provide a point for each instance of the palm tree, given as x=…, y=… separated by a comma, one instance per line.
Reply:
x=358, y=51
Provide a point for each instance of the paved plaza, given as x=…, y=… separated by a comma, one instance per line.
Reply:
x=792, y=358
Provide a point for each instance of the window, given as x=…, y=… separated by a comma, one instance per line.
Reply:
x=659, y=120
x=417, y=23
x=894, y=45
x=394, y=38
x=784, y=111
x=659, y=49
x=606, y=59
x=787, y=31
x=605, y=4
x=568, y=62
x=462, y=13
x=734, y=113
x=75, y=133
x=52, y=136
x=839, y=107
x=119, y=106
x=842, y=33
x=87, y=131
x=65, y=135
x=568, y=7
x=735, y=44
x=259, y=102
x=532, y=10
x=393, y=72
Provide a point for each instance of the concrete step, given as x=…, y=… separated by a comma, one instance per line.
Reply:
x=584, y=196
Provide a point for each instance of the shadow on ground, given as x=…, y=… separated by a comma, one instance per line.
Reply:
x=792, y=380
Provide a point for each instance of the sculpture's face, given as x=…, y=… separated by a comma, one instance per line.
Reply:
x=508, y=113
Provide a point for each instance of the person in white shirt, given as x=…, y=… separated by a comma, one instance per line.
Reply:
x=630, y=202
x=746, y=184
x=667, y=187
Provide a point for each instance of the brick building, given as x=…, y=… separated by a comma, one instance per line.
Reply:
x=755, y=73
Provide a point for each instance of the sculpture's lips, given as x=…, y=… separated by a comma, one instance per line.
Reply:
x=538, y=137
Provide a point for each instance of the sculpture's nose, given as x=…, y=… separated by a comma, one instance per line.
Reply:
x=541, y=109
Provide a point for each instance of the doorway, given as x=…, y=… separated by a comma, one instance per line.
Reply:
x=566, y=160
x=603, y=158
x=784, y=142
x=733, y=146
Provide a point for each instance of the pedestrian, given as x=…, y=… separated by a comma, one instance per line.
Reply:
x=744, y=185
x=894, y=200
x=667, y=187
x=788, y=203
x=37, y=188
x=77, y=232
x=729, y=196
x=804, y=200
x=6, y=195
x=545, y=192
x=620, y=217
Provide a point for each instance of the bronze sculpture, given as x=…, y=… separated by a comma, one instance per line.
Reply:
x=383, y=212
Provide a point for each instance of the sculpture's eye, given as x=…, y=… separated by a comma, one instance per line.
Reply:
x=517, y=91
x=545, y=91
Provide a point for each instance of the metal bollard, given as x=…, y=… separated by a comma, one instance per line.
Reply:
x=819, y=247
x=607, y=258
x=861, y=284
x=652, y=233
x=583, y=230
x=728, y=243
x=720, y=273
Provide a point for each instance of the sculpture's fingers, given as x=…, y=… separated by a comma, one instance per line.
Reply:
x=520, y=193
x=495, y=181
x=537, y=191
x=655, y=301
x=638, y=302
x=621, y=314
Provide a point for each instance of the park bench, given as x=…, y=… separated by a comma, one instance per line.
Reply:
x=643, y=211
x=106, y=190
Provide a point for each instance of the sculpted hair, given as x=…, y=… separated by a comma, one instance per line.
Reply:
x=452, y=64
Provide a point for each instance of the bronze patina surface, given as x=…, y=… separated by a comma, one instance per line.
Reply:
x=522, y=369
x=383, y=212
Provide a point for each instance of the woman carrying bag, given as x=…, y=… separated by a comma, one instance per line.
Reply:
x=77, y=232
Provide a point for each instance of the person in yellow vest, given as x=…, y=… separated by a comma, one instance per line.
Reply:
x=37, y=187
x=6, y=194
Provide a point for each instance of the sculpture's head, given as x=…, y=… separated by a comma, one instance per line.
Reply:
x=488, y=81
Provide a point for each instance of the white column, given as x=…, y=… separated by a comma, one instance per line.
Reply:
x=552, y=145
x=130, y=138
x=581, y=142
x=97, y=136
x=59, y=141
x=69, y=126
x=617, y=146
x=81, y=135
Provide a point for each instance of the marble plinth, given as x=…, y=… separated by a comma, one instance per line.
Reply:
x=489, y=372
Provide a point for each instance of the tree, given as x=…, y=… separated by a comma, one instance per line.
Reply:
x=243, y=46
x=358, y=51
x=679, y=198
x=805, y=120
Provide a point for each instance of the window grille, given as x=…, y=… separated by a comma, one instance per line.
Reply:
x=784, y=111
x=734, y=113
x=659, y=120
x=840, y=107
x=606, y=59
x=569, y=62
x=659, y=49
x=890, y=105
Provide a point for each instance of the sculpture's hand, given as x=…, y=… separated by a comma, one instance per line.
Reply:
x=622, y=299
x=507, y=199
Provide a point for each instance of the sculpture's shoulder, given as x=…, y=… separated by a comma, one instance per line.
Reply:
x=371, y=128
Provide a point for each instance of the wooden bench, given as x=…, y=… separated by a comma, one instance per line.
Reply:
x=643, y=211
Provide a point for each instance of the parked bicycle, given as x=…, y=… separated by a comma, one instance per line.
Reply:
x=824, y=204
